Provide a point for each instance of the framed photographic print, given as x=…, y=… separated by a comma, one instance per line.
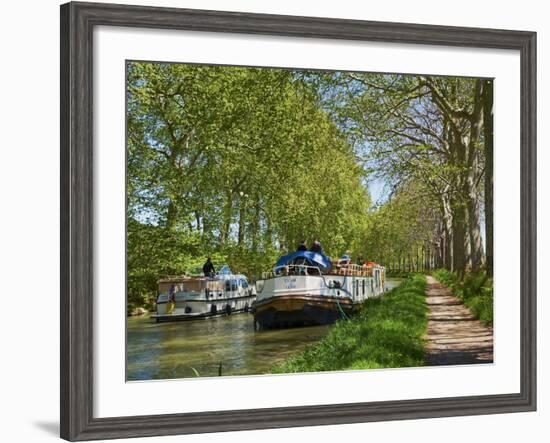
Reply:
x=273, y=221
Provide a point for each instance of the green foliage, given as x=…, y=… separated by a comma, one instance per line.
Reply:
x=475, y=290
x=155, y=252
x=387, y=333
x=402, y=226
x=237, y=163
x=242, y=163
x=424, y=130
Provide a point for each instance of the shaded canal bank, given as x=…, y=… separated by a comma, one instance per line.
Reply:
x=197, y=348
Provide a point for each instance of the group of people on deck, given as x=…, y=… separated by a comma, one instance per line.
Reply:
x=315, y=247
x=342, y=261
x=209, y=270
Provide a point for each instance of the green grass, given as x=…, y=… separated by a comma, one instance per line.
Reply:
x=398, y=274
x=387, y=333
x=405, y=274
x=475, y=290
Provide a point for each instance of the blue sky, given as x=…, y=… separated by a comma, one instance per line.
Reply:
x=378, y=191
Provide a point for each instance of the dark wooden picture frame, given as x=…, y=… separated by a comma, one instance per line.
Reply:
x=77, y=23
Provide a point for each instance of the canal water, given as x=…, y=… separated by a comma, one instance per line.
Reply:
x=226, y=345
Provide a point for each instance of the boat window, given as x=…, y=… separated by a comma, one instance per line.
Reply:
x=231, y=285
x=244, y=283
x=300, y=261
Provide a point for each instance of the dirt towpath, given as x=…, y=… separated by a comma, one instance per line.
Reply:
x=454, y=335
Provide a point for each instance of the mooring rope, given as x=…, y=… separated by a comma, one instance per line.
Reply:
x=343, y=314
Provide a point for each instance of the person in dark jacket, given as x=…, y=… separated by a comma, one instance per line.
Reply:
x=208, y=268
x=316, y=247
x=302, y=246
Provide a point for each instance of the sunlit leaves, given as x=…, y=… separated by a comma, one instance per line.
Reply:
x=245, y=162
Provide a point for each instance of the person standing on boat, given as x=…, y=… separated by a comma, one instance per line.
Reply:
x=346, y=258
x=208, y=268
x=302, y=246
x=316, y=247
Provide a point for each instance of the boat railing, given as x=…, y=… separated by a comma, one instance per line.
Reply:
x=284, y=270
x=354, y=269
x=349, y=269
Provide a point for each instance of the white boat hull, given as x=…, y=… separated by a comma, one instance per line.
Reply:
x=296, y=300
x=194, y=298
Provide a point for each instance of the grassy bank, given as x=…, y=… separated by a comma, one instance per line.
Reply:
x=475, y=290
x=386, y=333
x=399, y=274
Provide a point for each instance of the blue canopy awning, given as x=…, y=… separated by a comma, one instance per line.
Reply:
x=225, y=270
x=313, y=259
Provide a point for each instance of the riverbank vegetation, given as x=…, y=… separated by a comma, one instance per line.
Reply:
x=387, y=333
x=475, y=290
x=242, y=163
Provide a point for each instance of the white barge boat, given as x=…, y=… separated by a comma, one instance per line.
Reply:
x=187, y=298
x=305, y=288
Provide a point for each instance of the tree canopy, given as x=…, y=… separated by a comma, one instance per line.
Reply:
x=242, y=163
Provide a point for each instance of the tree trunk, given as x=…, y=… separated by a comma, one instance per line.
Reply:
x=488, y=176
x=474, y=234
x=424, y=267
x=227, y=210
x=268, y=237
x=475, y=246
x=448, y=233
x=171, y=215
x=256, y=224
x=242, y=222
x=198, y=222
x=459, y=238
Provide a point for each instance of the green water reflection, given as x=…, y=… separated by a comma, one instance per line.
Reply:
x=173, y=350
x=185, y=349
